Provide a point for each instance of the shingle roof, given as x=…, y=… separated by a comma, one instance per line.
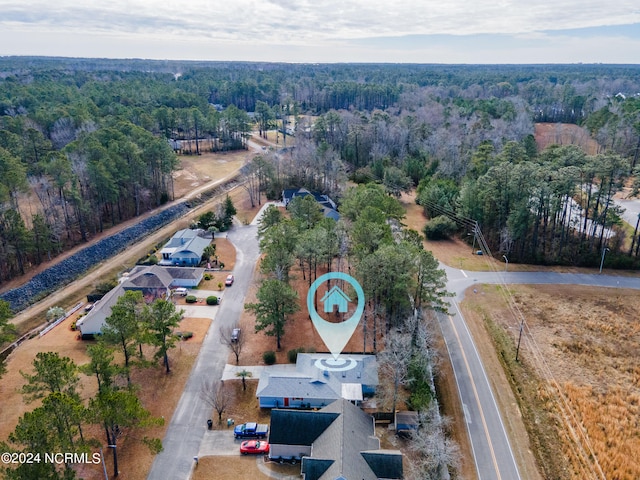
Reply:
x=351, y=433
x=364, y=372
x=299, y=386
x=298, y=427
x=343, y=443
x=188, y=273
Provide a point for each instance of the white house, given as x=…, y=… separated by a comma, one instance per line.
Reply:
x=316, y=383
x=185, y=248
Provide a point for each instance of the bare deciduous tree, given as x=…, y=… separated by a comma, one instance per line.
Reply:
x=235, y=344
x=436, y=455
x=215, y=394
x=393, y=363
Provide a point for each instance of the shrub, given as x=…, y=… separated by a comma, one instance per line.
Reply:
x=207, y=276
x=190, y=299
x=269, y=357
x=439, y=228
x=293, y=354
x=219, y=285
x=212, y=300
x=184, y=335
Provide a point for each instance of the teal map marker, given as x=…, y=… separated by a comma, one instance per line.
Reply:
x=335, y=335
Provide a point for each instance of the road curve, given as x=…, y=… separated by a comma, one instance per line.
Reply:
x=492, y=451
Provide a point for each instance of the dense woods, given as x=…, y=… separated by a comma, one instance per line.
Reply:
x=88, y=143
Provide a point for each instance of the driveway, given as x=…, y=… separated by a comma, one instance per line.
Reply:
x=219, y=442
x=188, y=427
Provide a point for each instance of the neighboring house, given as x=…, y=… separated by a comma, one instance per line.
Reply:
x=335, y=442
x=335, y=297
x=314, y=385
x=185, y=248
x=328, y=206
x=154, y=282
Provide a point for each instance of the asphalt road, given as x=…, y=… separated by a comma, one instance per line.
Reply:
x=492, y=451
x=189, y=423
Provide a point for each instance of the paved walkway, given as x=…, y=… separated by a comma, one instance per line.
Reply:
x=230, y=371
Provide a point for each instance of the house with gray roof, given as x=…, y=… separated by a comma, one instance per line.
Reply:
x=153, y=281
x=317, y=382
x=335, y=442
x=185, y=248
x=325, y=203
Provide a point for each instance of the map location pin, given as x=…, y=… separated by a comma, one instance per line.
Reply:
x=335, y=335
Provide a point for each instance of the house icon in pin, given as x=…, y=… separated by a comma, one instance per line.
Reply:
x=334, y=297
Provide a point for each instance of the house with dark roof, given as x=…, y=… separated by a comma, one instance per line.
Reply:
x=153, y=281
x=185, y=248
x=315, y=383
x=328, y=206
x=335, y=442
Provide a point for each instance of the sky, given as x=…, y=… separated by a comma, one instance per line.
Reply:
x=327, y=31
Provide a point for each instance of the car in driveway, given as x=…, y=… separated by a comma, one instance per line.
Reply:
x=229, y=281
x=254, y=447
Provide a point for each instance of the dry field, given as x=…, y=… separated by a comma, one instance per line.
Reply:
x=579, y=378
x=196, y=170
x=565, y=134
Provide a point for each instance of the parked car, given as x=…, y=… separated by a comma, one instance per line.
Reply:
x=229, y=281
x=180, y=291
x=251, y=429
x=235, y=334
x=254, y=446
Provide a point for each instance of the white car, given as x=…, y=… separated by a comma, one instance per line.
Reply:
x=180, y=291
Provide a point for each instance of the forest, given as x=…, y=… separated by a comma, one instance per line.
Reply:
x=88, y=143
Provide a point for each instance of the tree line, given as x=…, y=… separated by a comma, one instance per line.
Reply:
x=86, y=143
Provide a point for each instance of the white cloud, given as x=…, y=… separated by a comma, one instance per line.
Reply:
x=329, y=26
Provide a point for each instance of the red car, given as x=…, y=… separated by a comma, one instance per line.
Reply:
x=229, y=281
x=254, y=446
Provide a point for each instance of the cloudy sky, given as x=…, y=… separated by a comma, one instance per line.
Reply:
x=416, y=31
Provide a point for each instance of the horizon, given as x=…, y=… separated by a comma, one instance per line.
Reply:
x=514, y=32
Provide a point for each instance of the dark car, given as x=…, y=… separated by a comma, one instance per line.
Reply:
x=235, y=334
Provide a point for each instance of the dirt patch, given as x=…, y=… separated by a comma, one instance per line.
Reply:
x=196, y=170
x=565, y=134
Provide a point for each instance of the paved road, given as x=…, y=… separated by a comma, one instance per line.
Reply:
x=492, y=452
x=188, y=425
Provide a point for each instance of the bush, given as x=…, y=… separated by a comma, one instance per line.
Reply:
x=269, y=357
x=293, y=354
x=207, y=276
x=190, y=299
x=184, y=335
x=439, y=228
x=212, y=300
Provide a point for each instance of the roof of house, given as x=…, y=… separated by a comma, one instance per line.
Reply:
x=329, y=207
x=343, y=443
x=297, y=385
x=189, y=241
x=365, y=370
x=187, y=273
x=152, y=277
x=298, y=427
x=311, y=381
